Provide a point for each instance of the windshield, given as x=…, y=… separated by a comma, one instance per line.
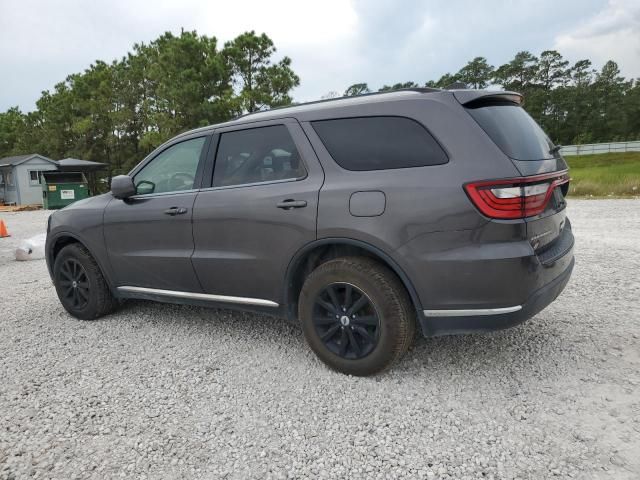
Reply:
x=514, y=131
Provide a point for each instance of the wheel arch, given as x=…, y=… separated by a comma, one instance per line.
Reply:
x=319, y=251
x=61, y=240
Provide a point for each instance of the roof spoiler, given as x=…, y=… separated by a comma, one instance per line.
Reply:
x=467, y=97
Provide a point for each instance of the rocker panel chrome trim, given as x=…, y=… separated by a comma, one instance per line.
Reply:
x=471, y=312
x=200, y=296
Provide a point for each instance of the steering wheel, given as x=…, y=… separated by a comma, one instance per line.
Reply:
x=181, y=181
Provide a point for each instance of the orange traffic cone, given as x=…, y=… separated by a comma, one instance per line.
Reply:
x=3, y=230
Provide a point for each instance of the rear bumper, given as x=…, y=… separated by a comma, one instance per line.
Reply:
x=496, y=319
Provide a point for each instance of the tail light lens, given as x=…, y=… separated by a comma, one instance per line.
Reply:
x=515, y=197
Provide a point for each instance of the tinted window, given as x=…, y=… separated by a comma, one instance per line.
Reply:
x=514, y=131
x=172, y=170
x=379, y=143
x=256, y=155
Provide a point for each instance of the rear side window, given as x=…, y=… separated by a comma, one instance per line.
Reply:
x=379, y=143
x=257, y=155
x=513, y=131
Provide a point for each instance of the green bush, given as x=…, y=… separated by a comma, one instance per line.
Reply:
x=605, y=175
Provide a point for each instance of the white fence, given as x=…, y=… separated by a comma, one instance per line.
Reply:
x=591, y=148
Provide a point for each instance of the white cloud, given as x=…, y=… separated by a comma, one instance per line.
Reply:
x=43, y=42
x=316, y=36
x=613, y=33
x=332, y=43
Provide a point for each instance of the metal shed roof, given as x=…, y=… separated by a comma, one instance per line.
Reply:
x=68, y=164
x=18, y=159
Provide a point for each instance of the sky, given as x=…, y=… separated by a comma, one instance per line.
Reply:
x=332, y=43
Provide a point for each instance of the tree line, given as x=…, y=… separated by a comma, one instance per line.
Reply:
x=574, y=104
x=118, y=112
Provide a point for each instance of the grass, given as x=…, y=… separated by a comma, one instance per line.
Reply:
x=605, y=175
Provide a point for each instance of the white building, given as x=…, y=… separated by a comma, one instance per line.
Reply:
x=20, y=178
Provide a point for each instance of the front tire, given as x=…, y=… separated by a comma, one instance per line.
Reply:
x=356, y=315
x=80, y=285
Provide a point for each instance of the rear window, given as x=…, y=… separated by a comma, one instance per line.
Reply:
x=379, y=143
x=513, y=130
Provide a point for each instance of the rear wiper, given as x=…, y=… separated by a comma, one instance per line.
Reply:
x=555, y=149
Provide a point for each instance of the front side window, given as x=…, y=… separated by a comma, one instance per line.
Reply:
x=173, y=170
x=256, y=155
x=379, y=143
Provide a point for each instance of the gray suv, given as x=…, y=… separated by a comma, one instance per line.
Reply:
x=363, y=218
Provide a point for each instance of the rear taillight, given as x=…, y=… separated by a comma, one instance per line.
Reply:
x=515, y=197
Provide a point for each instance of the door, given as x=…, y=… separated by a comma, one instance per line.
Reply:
x=260, y=210
x=149, y=236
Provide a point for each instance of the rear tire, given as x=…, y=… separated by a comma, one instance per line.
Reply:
x=80, y=285
x=356, y=315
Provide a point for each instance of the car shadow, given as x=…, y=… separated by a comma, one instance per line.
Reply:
x=533, y=348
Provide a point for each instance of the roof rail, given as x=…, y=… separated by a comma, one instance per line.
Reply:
x=326, y=100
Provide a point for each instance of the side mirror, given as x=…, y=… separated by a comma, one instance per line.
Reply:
x=122, y=187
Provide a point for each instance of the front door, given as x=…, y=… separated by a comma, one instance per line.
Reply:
x=260, y=210
x=149, y=236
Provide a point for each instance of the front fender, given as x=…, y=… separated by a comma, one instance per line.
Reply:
x=82, y=223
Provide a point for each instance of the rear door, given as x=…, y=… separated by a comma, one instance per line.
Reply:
x=149, y=236
x=260, y=209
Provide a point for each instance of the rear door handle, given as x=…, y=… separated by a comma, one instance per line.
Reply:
x=290, y=203
x=175, y=211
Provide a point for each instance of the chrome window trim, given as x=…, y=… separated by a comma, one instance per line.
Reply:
x=162, y=194
x=200, y=296
x=254, y=184
x=471, y=312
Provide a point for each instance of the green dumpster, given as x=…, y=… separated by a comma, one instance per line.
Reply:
x=60, y=189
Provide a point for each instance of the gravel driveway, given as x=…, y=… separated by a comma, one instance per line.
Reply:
x=160, y=391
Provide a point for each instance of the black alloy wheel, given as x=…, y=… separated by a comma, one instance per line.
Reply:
x=80, y=285
x=346, y=321
x=74, y=283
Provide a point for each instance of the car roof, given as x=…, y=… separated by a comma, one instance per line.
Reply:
x=322, y=107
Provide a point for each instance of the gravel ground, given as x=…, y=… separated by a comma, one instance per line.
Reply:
x=158, y=391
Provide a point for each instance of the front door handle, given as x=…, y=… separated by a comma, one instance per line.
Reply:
x=175, y=211
x=290, y=203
